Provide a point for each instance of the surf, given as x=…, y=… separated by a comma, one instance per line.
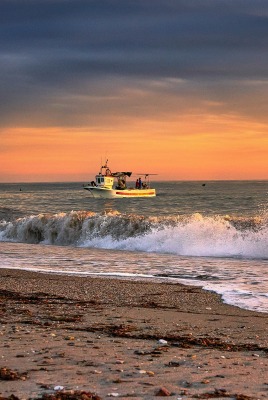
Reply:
x=184, y=235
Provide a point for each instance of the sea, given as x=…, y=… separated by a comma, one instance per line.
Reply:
x=212, y=234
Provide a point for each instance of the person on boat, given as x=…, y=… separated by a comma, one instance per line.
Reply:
x=140, y=183
x=137, y=184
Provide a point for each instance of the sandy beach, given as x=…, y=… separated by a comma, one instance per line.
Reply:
x=79, y=337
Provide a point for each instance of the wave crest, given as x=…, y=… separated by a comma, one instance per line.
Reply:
x=194, y=235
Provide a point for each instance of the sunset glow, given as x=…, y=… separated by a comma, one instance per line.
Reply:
x=169, y=93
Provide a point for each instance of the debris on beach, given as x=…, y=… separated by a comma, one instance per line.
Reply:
x=61, y=395
x=222, y=393
x=7, y=374
x=162, y=341
x=70, y=395
x=163, y=392
x=124, y=352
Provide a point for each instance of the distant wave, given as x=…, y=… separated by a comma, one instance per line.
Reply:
x=194, y=235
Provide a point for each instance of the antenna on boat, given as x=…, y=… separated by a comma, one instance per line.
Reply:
x=100, y=166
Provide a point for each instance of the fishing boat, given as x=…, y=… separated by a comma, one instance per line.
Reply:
x=109, y=185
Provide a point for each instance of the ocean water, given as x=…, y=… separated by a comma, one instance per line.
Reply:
x=212, y=234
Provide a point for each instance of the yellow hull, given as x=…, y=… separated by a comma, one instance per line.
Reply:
x=101, y=192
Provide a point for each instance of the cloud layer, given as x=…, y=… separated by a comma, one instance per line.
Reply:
x=65, y=60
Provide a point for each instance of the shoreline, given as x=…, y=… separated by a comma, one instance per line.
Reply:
x=102, y=334
x=50, y=267
x=150, y=280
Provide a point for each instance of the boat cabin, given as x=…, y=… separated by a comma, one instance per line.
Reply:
x=104, y=181
x=105, y=178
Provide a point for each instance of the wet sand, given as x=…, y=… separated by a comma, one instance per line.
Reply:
x=126, y=339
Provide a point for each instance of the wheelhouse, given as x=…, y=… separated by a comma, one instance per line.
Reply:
x=104, y=181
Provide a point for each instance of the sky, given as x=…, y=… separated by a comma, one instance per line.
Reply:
x=178, y=88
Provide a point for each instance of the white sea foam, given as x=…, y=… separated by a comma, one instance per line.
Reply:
x=194, y=235
x=199, y=239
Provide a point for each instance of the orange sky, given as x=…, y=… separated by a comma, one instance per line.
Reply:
x=192, y=147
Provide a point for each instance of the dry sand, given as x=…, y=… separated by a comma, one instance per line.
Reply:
x=126, y=339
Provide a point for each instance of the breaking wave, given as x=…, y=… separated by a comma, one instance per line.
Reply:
x=194, y=235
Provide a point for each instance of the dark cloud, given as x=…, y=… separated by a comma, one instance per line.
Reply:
x=49, y=48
